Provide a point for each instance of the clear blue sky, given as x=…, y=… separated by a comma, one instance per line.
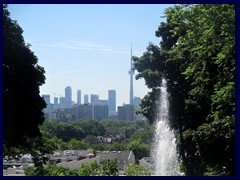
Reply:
x=88, y=47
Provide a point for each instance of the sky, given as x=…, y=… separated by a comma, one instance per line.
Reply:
x=88, y=47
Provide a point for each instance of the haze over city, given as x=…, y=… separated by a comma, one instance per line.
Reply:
x=88, y=47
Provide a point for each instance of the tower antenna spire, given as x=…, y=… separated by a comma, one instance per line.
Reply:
x=131, y=73
x=131, y=55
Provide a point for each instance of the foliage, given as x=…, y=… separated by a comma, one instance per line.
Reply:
x=75, y=144
x=22, y=103
x=139, y=149
x=138, y=136
x=77, y=129
x=137, y=170
x=22, y=78
x=88, y=130
x=197, y=58
x=105, y=168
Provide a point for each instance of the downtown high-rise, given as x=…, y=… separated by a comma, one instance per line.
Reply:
x=112, y=100
x=79, y=97
x=68, y=97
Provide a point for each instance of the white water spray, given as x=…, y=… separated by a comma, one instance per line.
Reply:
x=164, y=149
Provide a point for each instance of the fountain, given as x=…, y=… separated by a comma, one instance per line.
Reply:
x=164, y=152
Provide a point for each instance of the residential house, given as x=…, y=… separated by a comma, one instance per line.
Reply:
x=123, y=158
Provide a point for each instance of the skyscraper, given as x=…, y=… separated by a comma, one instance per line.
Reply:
x=112, y=100
x=55, y=100
x=85, y=98
x=47, y=110
x=131, y=73
x=68, y=96
x=100, y=112
x=62, y=102
x=94, y=98
x=126, y=112
x=79, y=97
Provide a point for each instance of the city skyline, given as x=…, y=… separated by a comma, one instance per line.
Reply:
x=69, y=94
x=88, y=47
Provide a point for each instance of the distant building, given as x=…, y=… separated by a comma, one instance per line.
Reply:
x=94, y=98
x=112, y=100
x=124, y=158
x=85, y=111
x=79, y=98
x=101, y=102
x=47, y=110
x=146, y=162
x=86, y=99
x=113, y=117
x=121, y=113
x=55, y=100
x=100, y=112
x=55, y=107
x=68, y=97
x=126, y=112
x=62, y=102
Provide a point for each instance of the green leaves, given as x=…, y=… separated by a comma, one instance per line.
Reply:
x=137, y=170
x=106, y=168
x=197, y=57
x=22, y=77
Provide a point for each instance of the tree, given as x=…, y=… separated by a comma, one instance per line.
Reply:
x=91, y=139
x=196, y=56
x=106, y=168
x=76, y=144
x=139, y=149
x=22, y=77
x=22, y=104
x=137, y=170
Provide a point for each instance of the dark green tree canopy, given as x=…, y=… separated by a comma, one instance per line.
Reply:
x=197, y=58
x=22, y=77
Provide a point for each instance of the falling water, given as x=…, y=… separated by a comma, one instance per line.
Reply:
x=164, y=149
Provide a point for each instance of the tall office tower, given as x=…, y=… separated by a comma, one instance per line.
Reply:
x=55, y=100
x=62, y=102
x=131, y=73
x=79, y=98
x=100, y=112
x=85, y=98
x=112, y=100
x=126, y=112
x=68, y=96
x=94, y=98
x=47, y=110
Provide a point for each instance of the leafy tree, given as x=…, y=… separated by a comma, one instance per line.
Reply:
x=137, y=170
x=22, y=104
x=75, y=144
x=196, y=56
x=91, y=139
x=90, y=127
x=106, y=168
x=145, y=136
x=116, y=147
x=139, y=149
x=22, y=76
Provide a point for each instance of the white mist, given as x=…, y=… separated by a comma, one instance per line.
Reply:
x=164, y=152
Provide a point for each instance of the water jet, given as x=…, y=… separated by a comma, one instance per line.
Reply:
x=164, y=151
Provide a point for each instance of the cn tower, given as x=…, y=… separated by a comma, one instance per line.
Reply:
x=131, y=73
